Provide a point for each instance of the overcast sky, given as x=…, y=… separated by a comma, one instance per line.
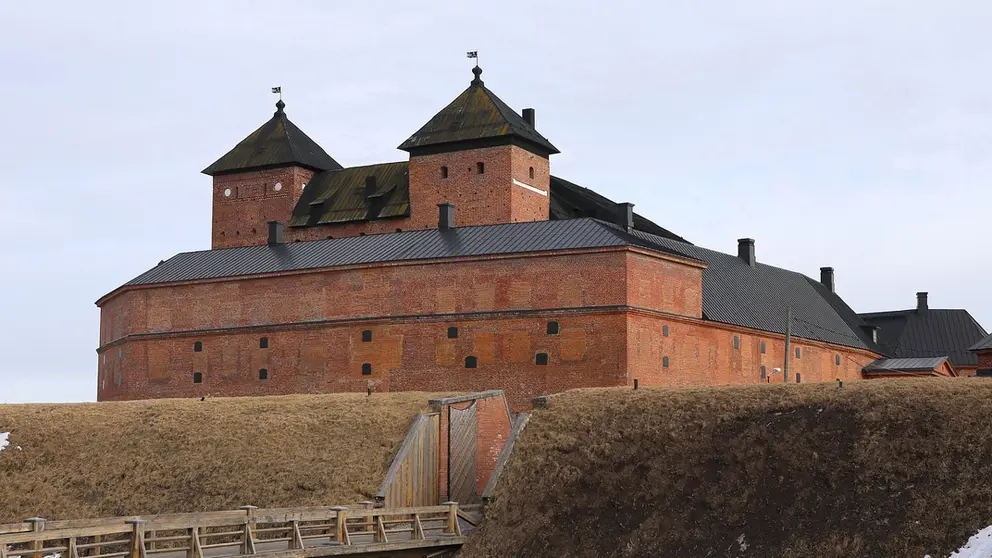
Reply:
x=849, y=133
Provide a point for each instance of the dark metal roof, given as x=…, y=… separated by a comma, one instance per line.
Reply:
x=758, y=297
x=277, y=142
x=982, y=345
x=474, y=115
x=507, y=238
x=906, y=364
x=928, y=333
x=340, y=196
x=571, y=201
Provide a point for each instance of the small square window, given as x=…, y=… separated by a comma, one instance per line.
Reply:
x=764, y=373
x=444, y=172
x=263, y=343
x=366, y=369
x=737, y=342
x=452, y=332
x=263, y=374
x=552, y=328
x=541, y=359
x=197, y=377
x=367, y=336
x=799, y=352
x=664, y=362
x=198, y=346
x=480, y=168
x=664, y=331
x=837, y=360
x=471, y=362
x=763, y=347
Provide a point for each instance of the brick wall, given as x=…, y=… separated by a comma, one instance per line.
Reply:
x=243, y=203
x=704, y=353
x=985, y=360
x=480, y=198
x=412, y=355
x=382, y=290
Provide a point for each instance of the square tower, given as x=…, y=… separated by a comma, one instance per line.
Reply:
x=483, y=157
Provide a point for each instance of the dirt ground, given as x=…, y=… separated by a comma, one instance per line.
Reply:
x=876, y=469
x=187, y=455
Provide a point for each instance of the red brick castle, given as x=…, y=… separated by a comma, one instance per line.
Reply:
x=467, y=267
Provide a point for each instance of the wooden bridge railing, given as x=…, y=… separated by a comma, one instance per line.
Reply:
x=244, y=532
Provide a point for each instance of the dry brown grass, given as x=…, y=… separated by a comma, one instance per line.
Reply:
x=182, y=455
x=879, y=469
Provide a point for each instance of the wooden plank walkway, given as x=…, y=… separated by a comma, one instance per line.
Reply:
x=250, y=531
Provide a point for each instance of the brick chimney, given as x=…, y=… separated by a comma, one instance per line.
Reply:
x=275, y=233
x=445, y=216
x=745, y=250
x=625, y=216
x=827, y=277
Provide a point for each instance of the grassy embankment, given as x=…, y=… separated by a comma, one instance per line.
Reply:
x=185, y=455
x=878, y=469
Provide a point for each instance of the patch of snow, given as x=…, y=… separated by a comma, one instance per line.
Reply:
x=4, y=440
x=978, y=546
x=742, y=542
x=53, y=555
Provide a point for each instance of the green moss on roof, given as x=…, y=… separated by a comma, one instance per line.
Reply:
x=276, y=143
x=476, y=114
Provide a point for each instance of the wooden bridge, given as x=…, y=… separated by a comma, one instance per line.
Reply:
x=277, y=533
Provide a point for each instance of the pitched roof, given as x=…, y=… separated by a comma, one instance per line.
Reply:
x=340, y=196
x=476, y=114
x=928, y=333
x=905, y=364
x=277, y=142
x=570, y=201
x=983, y=345
x=759, y=297
x=510, y=238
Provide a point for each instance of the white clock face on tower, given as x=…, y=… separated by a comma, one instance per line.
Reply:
x=277, y=187
x=227, y=193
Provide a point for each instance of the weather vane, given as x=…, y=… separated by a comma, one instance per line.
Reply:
x=278, y=90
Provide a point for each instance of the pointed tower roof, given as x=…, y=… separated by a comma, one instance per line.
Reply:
x=278, y=142
x=478, y=114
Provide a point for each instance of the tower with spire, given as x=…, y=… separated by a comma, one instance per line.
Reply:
x=262, y=179
x=480, y=155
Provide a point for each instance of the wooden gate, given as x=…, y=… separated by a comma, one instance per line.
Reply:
x=461, y=454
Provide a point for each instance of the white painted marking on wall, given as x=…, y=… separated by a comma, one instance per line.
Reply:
x=529, y=187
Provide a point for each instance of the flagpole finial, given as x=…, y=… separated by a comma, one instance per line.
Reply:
x=478, y=75
x=280, y=106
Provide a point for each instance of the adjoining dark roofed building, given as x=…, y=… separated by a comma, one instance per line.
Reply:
x=983, y=345
x=477, y=115
x=907, y=366
x=276, y=143
x=927, y=332
x=571, y=201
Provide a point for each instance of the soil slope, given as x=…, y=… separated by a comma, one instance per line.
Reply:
x=185, y=455
x=876, y=469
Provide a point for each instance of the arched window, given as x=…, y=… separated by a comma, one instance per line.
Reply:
x=197, y=377
x=366, y=369
x=532, y=172
x=263, y=374
x=198, y=346
x=664, y=362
